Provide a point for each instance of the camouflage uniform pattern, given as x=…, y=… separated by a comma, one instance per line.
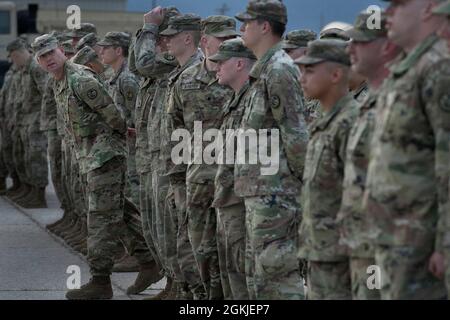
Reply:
x=410, y=158
x=276, y=103
x=197, y=96
x=351, y=218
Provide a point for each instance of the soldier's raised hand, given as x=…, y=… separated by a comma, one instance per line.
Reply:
x=155, y=16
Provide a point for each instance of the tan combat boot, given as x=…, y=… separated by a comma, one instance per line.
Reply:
x=36, y=200
x=148, y=275
x=98, y=288
x=126, y=264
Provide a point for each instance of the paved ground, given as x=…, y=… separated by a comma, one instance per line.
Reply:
x=33, y=262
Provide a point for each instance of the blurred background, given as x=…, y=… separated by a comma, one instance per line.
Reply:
x=30, y=18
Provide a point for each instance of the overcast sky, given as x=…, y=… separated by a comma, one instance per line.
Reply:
x=310, y=14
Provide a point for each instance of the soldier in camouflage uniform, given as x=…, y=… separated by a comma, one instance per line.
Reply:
x=406, y=192
x=183, y=36
x=5, y=135
x=150, y=58
x=197, y=96
x=325, y=74
x=272, y=210
x=32, y=139
x=364, y=53
x=442, y=267
x=123, y=88
x=234, y=63
x=97, y=128
x=295, y=43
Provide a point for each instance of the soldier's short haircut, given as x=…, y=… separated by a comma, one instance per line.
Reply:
x=196, y=36
x=278, y=28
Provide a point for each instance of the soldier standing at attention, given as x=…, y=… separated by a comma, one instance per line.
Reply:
x=325, y=75
x=272, y=208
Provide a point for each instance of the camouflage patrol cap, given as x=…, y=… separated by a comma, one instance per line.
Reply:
x=67, y=47
x=219, y=26
x=84, y=29
x=184, y=22
x=44, y=44
x=116, y=38
x=233, y=48
x=322, y=50
x=298, y=38
x=60, y=36
x=443, y=9
x=169, y=12
x=16, y=44
x=334, y=33
x=85, y=55
x=272, y=10
x=361, y=32
x=89, y=40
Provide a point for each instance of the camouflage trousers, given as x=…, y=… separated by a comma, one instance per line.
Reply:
x=405, y=274
x=272, y=268
x=146, y=215
x=19, y=142
x=359, y=277
x=55, y=159
x=185, y=253
x=73, y=185
x=107, y=223
x=3, y=169
x=132, y=187
x=231, y=249
x=329, y=280
x=7, y=153
x=202, y=230
x=36, y=157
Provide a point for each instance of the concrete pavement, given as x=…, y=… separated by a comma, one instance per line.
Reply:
x=33, y=262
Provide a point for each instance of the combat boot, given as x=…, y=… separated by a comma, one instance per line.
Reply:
x=98, y=288
x=22, y=191
x=73, y=231
x=81, y=247
x=82, y=234
x=165, y=292
x=183, y=292
x=36, y=200
x=3, y=188
x=59, y=222
x=126, y=264
x=63, y=225
x=63, y=231
x=148, y=275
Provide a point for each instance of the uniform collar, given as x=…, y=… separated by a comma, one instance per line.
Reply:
x=411, y=58
x=179, y=70
x=322, y=123
x=118, y=73
x=63, y=84
x=261, y=64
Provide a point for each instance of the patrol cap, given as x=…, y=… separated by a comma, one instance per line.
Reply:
x=272, y=10
x=322, y=50
x=219, y=26
x=361, y=32
x=60, y=36
x=443, y=9
x=184, y=22
x=85, y=55
x=298, y=38
x=334, y=33
x=16, y=44
x=169, y=12
x=116, y=38
x=67, y=47
x=44, y=44
x=232, y=48
x=84, y=29
x=89, y=40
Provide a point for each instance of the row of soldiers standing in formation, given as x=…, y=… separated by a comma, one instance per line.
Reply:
x=362, y=179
